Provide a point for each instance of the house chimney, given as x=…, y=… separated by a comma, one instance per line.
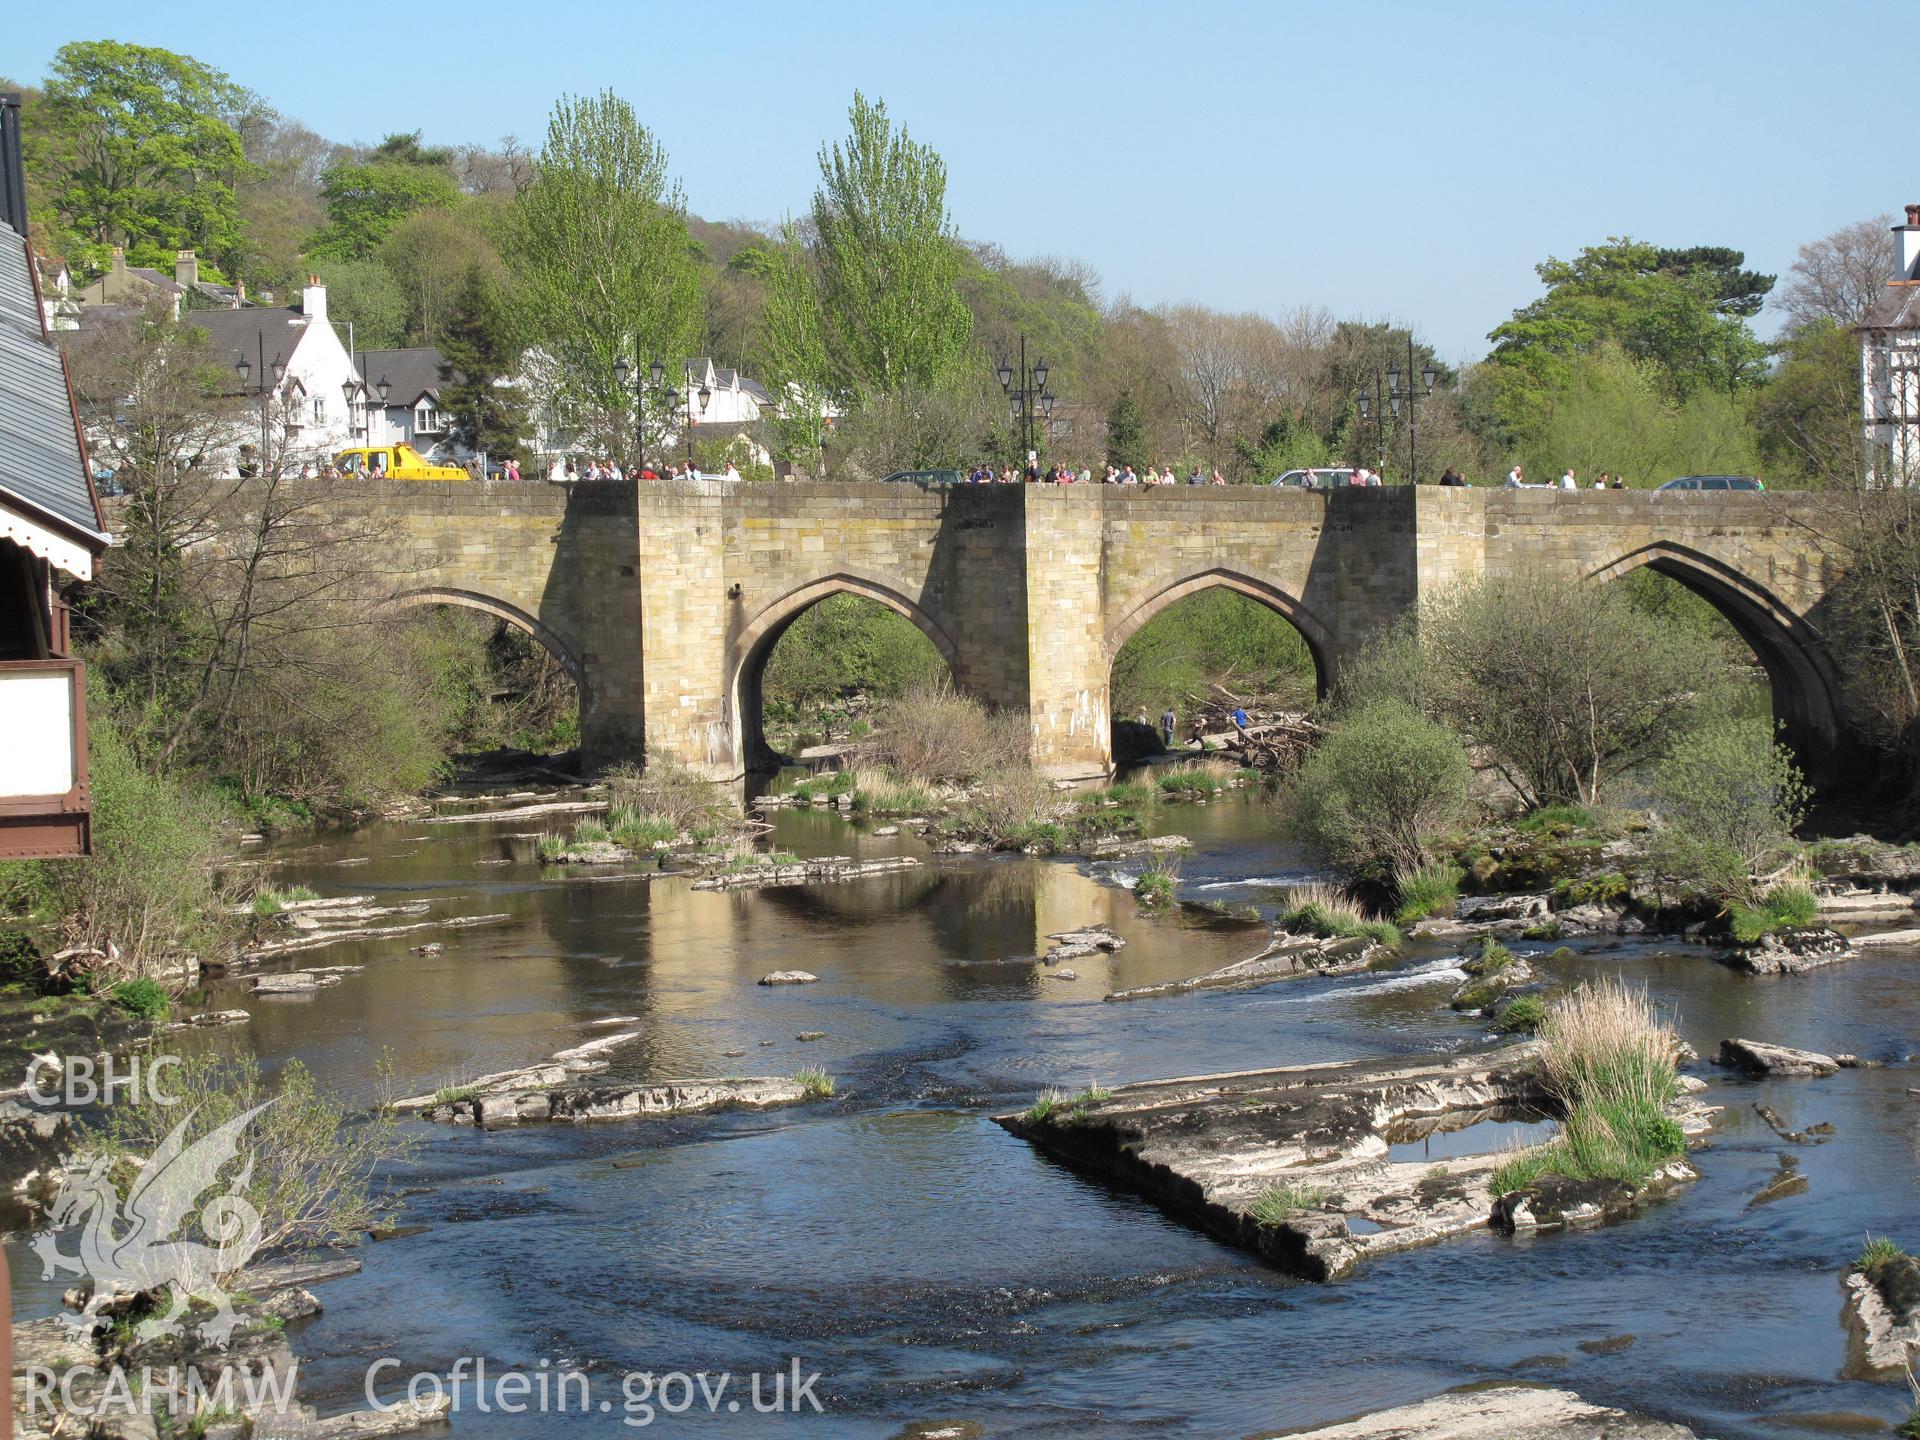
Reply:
x=119, y=267
x=313, y=299
x=1906, y=246
x=186, y=269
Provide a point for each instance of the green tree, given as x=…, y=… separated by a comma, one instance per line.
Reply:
x=365, y=200
x=793, y=346
x=1683, y=311
x=138, y=148
x=1729, y=797
x=1380, y=788
x=1809, y=414
x=1126, y=435
x=602, y=251
x=364, y=301
x=480, y=352
x=888, y=259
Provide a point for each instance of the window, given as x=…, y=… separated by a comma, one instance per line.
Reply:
x=427, y=418
x=319, y=409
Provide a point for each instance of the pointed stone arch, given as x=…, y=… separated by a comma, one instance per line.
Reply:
x=1288, y=606
x=514, y=616
x=1805, y=683
x=750, y=647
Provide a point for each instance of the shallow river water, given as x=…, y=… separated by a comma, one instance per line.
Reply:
x=929, y=1266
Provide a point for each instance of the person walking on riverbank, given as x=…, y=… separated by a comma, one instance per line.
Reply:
x=1166, y=727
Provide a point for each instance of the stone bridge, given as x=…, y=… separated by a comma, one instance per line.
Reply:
x=664, y=600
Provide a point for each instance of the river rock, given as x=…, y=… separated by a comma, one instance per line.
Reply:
x=1117, y=849
x=810, y=1035
x=294, y=982
x=1209, y=1147
x=208, y=1018
x=1887, y=937
x=1883, y=1319
x=826, y=870
x=1558, y=1202
x=788, y=977
x=1757, y=1057
x=1288, y=955
x=887, y=830
x=1789, y=952
x=574, y=1102
x=402, y=1416
x=1500, y=1412
x=1475, y=909
x=1095, y=937
x=432, y=947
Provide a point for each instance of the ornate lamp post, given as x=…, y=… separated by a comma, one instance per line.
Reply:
x=244, y=370
x=646, y=382
x=1389, y=396
x=1030, y=394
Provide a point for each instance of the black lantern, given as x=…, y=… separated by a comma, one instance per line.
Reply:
x=1005, y=372
x=244, y=370
x=383, y=388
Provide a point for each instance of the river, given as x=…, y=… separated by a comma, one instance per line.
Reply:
x=930, y=1267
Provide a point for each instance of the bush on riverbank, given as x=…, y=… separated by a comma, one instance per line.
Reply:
x=1383, y=785
x=935, y=735
x=1730, y=798
x=147, y=895
x=1609, y=1062
x=1568, y=686
x=310, y=1166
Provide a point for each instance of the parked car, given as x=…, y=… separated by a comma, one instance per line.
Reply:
x=928, y=477
x=1323, y=478
x=1714, y=482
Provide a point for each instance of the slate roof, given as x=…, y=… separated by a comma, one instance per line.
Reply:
x=1896, y=307
x=412, y=372
x=41, y=462
x=258, y=332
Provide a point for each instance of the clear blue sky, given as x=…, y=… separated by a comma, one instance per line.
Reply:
x=1384, y=160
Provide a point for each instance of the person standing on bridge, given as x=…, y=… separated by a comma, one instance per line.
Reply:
x=1567, y=482
x=1240, y=723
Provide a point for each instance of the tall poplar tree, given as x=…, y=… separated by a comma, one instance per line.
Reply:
x=605, y=266
x=888, y=257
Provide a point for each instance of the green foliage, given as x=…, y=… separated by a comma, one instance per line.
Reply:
x=1683, y=312
x=1558, y=820
x=146, y=998
x=1379, y=788
x=135, y=146
x=1781, y=907
x=148, y=888
x=1427, y=890
x=1808, y=417
x=269, y=901
x=879, y=790
x=887, y=259
x=312, y=1164
x=1567, y=685
x=1279, y=1203
x=1217, y=634
x=1607, y=412
x=1126, y=434
x=793, y=350
x=366, y=200
x=479, y=350
x=605, y=266
x=1156, y=886
x=1877, y=1251
x=1730, y=797
x=935, y=735
x=635, y=829
x=1521, y=1015
x=1043, y=1107
x=817, y=1084
x=846, y=646
x=364, y=299
x=1331, y=914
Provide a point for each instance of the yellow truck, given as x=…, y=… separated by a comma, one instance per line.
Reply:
x=393, y=462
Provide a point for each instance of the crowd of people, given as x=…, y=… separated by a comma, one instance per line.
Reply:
x=1063, y=474
x=567, y=471
x=1517, y=480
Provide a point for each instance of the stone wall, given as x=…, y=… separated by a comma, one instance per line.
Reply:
x=666, y=603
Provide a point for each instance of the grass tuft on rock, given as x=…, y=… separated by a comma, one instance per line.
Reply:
x=1332, y=914
x=817, y=1084
x=1427, y=890
x=1876, y=1252
x=1156, y=885
x=270, y=901
x=146, y=998
x=1609, y=1061
x=1781, y=907
x=1277, y=1203
x=1523, y=1015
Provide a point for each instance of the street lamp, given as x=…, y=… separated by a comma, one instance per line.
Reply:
x=244, y=370
x=1388, y=396
x=1031, y=393
x=649, y=381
